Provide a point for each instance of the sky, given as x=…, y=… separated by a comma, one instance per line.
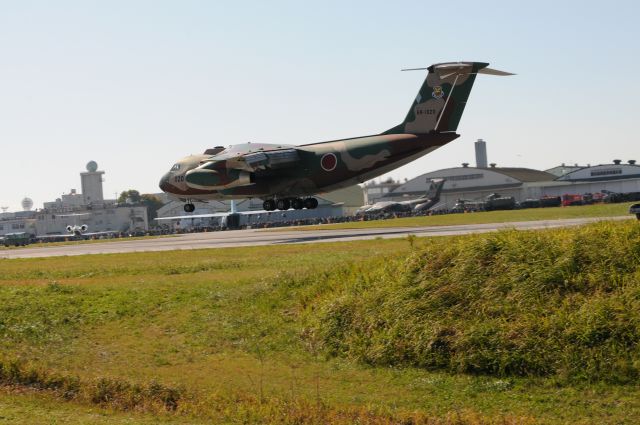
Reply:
x=135, y=85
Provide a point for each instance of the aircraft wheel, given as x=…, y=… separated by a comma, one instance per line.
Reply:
x=297, y=203
x=189, y=208
x=283, y=204
x=311, y=203
x=269, y=205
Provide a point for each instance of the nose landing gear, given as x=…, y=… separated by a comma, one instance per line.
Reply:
x=286, y=203
x=189, y=207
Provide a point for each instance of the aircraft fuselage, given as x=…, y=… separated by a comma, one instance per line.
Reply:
x=318, y=167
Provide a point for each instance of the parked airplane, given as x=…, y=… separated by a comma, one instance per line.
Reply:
x=286, y=176
x=75, y=230
x=423, y=203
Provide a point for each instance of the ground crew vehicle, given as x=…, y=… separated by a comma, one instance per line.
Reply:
x=17, y=239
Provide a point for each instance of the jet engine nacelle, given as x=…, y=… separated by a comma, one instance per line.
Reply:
x=84, y=228
x=207, y=179
x=69, y=229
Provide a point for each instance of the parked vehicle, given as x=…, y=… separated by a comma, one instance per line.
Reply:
x=572, y=199
x=17, y=239
x=497, y=202
x=550, y=201
x=530, y=203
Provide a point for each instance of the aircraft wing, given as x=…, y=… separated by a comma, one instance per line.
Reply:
x=72, y=235
x=106, y=232
x=180, y=217
x=225, y=171
x=212, y=215
x=262, y=160
x=55, y=236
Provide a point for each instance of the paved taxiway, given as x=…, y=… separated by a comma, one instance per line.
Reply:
x=255, y=237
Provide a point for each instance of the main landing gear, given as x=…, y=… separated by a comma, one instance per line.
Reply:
x=286, y=203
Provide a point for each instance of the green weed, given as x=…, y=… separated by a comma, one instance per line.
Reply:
x=558, y=302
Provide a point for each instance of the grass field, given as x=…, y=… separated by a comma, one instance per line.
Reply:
x=224, y=336
x=531, y=214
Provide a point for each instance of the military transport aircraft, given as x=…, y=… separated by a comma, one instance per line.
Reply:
x=423, y=203
x=286, y=176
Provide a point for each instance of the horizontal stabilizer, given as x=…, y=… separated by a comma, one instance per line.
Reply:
x=455, y=66
x=442, y=98
x=490, y=71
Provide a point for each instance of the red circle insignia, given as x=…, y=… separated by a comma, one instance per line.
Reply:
x=328, y=162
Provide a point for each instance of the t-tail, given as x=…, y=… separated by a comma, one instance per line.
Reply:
x=440, y=102
x=435, y=187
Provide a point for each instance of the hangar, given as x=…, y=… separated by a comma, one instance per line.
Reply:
x=476, y=183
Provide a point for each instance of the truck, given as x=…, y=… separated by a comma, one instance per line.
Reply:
x=495, y=201
x=16, y=239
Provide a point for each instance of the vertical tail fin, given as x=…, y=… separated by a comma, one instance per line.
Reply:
x=440, y=102
x=435, y=187
x=431, y=198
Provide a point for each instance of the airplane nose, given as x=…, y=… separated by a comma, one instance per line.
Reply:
x=164, y=183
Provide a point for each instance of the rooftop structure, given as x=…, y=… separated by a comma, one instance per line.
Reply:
x=88, y=208
x=92, y=184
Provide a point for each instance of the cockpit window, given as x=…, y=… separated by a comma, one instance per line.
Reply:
x=175, y=167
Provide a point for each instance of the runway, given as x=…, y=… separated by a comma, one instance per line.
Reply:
x=255, y=237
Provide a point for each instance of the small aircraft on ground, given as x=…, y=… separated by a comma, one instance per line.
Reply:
x=423, y=203
x=288, y=176
x=75, y=231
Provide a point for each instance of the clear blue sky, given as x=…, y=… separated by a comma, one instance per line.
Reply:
x=135, y=85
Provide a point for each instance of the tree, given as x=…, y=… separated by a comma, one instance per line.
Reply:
x=130, y=196
x=153, y=204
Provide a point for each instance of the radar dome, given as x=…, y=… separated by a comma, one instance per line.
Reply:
x=27, y=203
x=92, y=166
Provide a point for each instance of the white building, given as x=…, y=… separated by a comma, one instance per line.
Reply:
x=74, y=208
x=476, y=183
x=473, y=183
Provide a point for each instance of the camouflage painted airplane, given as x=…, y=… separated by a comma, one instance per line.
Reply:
x=286, y=176
x=423, y=203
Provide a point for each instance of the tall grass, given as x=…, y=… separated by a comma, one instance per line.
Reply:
x=564, y=303
x=238, y=408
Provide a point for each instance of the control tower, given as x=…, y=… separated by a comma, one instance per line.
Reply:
x=481, y=154
x=92, y=184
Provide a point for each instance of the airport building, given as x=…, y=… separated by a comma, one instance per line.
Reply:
x=334, y=204
x=75, y=209
x=476, y=183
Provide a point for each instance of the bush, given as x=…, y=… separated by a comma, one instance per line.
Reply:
x=536, y=303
